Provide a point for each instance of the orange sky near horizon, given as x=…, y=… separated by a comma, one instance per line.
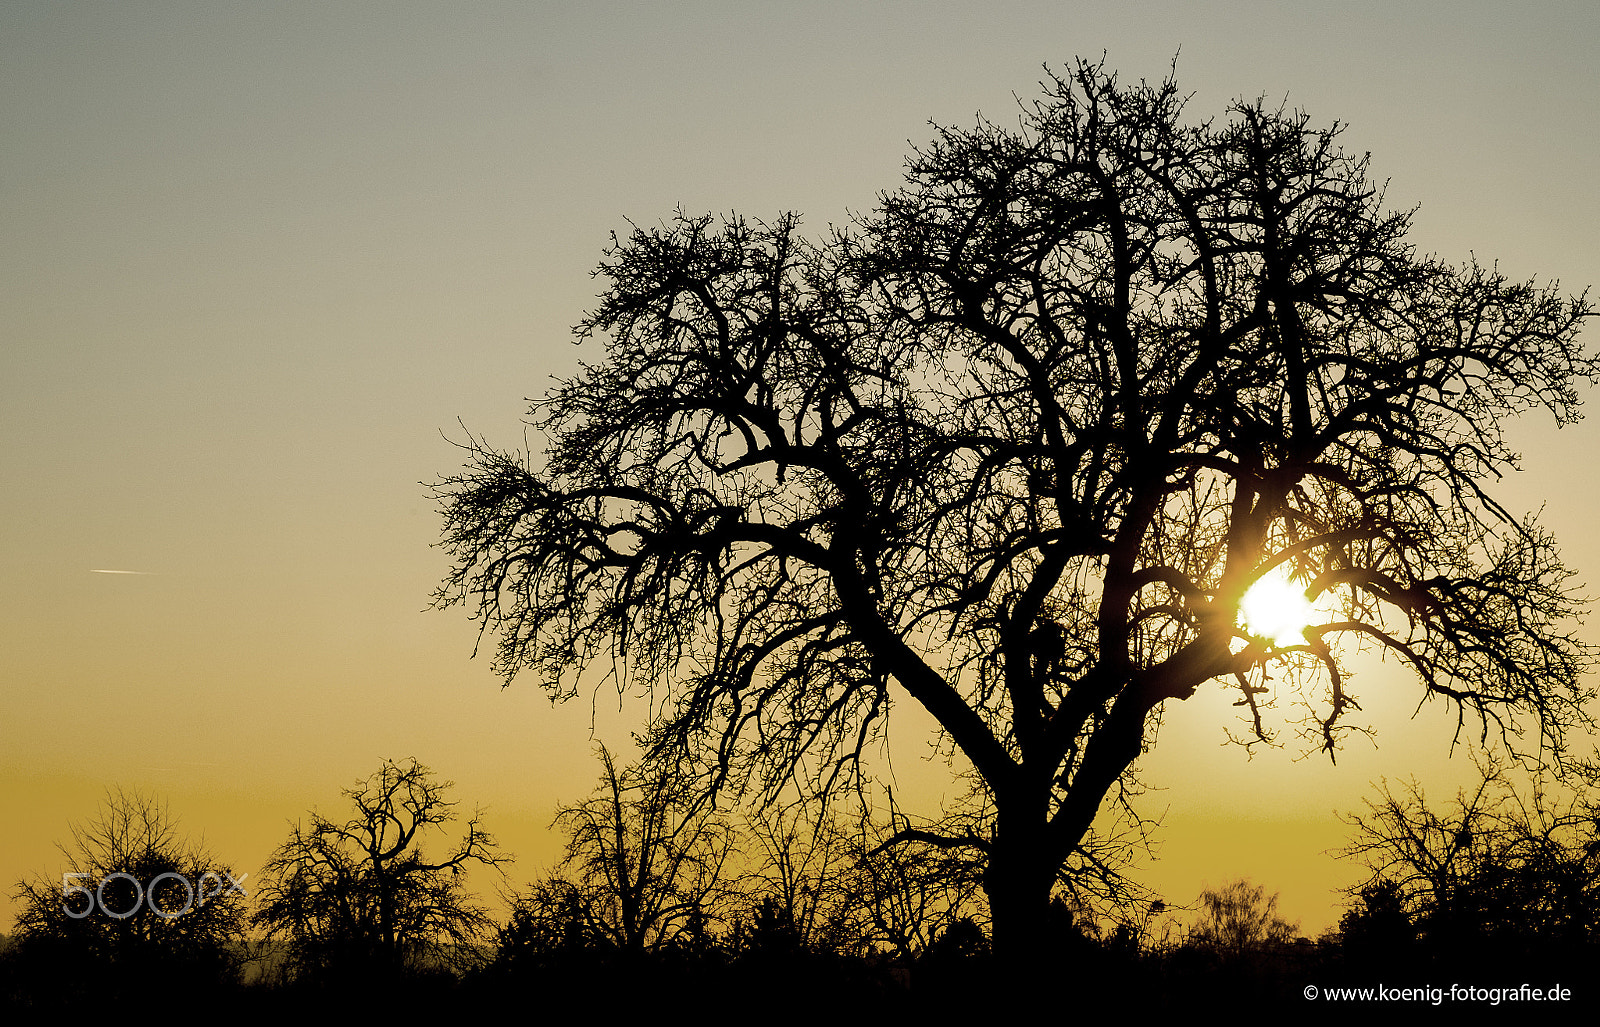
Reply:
x=259, y=259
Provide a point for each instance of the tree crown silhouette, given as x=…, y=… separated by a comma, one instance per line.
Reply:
x=139, y=910
x=1019, y=441
x=363, y=895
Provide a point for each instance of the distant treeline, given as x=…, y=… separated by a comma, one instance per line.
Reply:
x=661, y=897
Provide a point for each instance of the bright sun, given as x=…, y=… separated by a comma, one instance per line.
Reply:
x=1275, y=609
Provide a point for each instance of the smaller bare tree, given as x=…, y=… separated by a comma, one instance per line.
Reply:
x=547, y=921
x=138, y=908
x=1497, y=863
x=646, y=858
x=1239, y=918
x=800, y=889
x=906, y=888
x=360, y=893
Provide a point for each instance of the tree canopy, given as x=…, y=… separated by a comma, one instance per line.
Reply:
x=362, y=895
x=645, y=859
x=1500, y=872
x=1019, y=440
x=140, y=911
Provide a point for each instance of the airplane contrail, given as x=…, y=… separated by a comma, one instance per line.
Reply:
x=97, y=570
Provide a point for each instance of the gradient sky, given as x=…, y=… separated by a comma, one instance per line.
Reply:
x=257, y=259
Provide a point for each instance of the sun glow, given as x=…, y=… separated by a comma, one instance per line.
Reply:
x=1277, y=610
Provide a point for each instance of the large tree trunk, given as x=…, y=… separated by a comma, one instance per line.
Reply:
x=1019, y=879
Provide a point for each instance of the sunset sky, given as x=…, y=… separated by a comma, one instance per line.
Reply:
x=256, y=260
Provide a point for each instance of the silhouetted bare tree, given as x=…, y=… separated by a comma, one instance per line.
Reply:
x=548, y=927
x=645, y=858
x=1496, y=870
x=138, y=910
x=1239, y=918
x=1020, y=441
x=799, y=881
x=360, y=896
x=903, y=892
